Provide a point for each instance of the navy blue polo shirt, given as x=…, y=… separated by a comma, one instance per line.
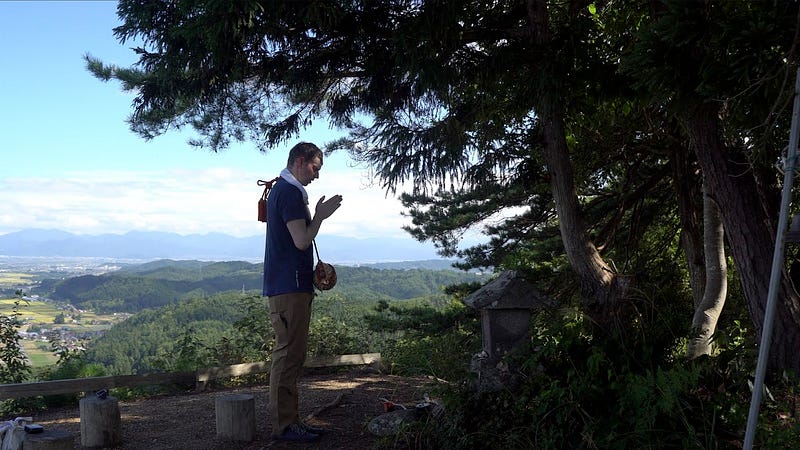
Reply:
x=286, y=268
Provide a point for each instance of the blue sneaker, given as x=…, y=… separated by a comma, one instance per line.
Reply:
x=312, y=429
x=296, y=433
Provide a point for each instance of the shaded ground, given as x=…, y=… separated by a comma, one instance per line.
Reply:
x=187, y=421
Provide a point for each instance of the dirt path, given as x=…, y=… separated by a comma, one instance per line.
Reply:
x=187, y=421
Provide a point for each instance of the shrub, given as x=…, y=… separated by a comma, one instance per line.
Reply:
x=14, y=365
x=582, y=390
x=422, y=339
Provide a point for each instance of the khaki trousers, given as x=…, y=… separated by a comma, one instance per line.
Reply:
x=291, y=315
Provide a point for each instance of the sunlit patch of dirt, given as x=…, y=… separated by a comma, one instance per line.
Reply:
x=343, y=402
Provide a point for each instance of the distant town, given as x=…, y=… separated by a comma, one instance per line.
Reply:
x=46, y=323
x=64, y=265
x=70, y=327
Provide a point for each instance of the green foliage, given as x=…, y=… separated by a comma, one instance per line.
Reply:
x=189, y=354
x=229, y=328
x=390, y=284
x=14, y=366
x=583, y=390
x=177, y=337
x=71, y=364
x=337, y=326
x=154, y=285
x=778, y=418
x=327, y=336
x=441, y=356
x=165, y=282
x=255, y=337
x=426, y=339
x=150, y=340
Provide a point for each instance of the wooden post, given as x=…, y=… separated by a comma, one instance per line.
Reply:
x=236, y=417
x=100, y=422
x=49, y=440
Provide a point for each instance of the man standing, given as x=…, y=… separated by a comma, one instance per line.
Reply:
x=288, y=278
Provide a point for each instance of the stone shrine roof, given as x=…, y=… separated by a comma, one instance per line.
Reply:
x=508, y=291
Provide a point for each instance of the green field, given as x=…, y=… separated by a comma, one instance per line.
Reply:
x=44, y=313
x=40, y=312
x=39, y=357
x=12, y=279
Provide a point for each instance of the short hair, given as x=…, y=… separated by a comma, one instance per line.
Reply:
x=306, y=150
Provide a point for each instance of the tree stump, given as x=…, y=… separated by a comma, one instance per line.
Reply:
x=236, y=417
x=100, y=422
x=48, y=440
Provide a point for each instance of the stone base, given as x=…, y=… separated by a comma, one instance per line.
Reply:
x=494, y=374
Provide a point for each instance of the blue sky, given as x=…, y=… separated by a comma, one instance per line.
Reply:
x=68, y=160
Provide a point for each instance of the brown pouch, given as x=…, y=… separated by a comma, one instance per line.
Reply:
x=324, y=274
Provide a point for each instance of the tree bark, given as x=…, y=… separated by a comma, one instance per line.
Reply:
x=595, y=275
x=704, y=322
x=690, y=211
x=750, y=231
x=600, y=287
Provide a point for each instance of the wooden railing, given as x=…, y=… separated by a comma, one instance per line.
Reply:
x=201, y=377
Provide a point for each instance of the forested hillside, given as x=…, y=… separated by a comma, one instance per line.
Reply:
x=230, y=328
x=165, y=282
x=166, y=338
x=195, y=313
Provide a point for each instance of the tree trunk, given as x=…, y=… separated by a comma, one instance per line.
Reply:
x=750, y=231
x=600, y=287
x=595, y=275
x=690, y=210
x=706, y=314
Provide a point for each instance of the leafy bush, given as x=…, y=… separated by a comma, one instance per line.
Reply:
x=585, y=391
x=254, y=336
x=71, y=364
x=327, y=336
x=147, y=341
x=14, y=365
x=424, y=339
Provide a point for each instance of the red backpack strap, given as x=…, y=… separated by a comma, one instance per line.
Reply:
x=262, y=202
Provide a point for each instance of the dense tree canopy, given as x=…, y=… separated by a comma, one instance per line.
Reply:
x=592, y=127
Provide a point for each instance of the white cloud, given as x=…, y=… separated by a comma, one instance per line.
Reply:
x=186, y=202
x=365, y=212
x=60, y=178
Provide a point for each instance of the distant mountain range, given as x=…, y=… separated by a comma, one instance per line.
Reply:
x=149, y=245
